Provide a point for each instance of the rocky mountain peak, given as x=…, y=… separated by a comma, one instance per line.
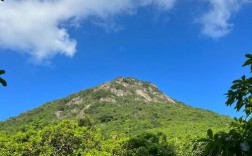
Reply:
x=133, y=88
x=116, y=92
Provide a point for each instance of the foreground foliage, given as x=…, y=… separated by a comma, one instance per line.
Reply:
x=238, y=141
x=64, y=138
x=69, y=137
x=147, y=144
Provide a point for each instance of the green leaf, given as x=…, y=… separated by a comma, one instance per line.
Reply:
x=237, y=81
x=248, y=108
x=248, y=55
x=243, y=78
x=3, y=82
x=239, y=104
x=240, y=119
x=249, y=60
x=230, y=100
x=2, y=72
x=236, y=86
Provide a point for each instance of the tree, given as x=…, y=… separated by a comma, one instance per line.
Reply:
x=238, y=141
x=240, y=92
x=146, y=144
x=2, y=81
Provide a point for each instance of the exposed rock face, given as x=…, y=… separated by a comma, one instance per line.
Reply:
x=125, y=87
x=114, y=92
x=143, y=94
x=58, y=114
x=108, y=99
x=77, y=100
x=167, y=98
x=118, y=92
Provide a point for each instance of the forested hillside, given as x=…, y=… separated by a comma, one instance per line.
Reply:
x=121, y=117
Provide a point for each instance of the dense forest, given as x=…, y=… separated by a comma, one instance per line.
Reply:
x=129, y=117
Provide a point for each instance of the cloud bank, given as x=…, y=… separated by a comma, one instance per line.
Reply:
x=39, y=28
x=215, y=23
x=35, y=27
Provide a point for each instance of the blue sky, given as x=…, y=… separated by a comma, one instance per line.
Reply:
x=191, y=50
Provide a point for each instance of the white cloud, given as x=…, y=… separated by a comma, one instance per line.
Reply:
x=164, y=4
x=39, y=27
x=216, y=22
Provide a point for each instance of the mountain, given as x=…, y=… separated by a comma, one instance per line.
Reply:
x=124, y=105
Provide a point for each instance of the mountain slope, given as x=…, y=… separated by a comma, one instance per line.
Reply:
x=125, y=105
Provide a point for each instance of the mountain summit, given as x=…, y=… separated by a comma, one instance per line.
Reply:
x=131, y=87
x=115, y=92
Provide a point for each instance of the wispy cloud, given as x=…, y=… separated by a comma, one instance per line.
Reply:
x=39, y=27
x=216, y=22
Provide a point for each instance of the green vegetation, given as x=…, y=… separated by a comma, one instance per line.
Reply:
x=2, y=81
x=64, y=138
x=146, y=144
x=238, y=141
x=124, y=117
